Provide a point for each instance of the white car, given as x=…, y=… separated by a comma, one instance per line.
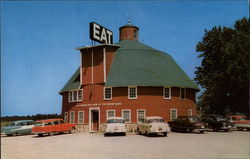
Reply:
x=115, y=125
x=153, y=125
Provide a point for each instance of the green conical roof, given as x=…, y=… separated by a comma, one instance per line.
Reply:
x=136, y=64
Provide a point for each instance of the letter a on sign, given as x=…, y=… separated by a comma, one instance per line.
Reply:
x=100, y=34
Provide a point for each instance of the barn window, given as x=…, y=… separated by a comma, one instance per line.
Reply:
x=132, y=92
x=107, y=93
x=110, y=113
x=66, y=117
x=173, y=114
x=141, y=114
x=167, y=93
x=126, y=115
x=72, y=117
x=75, y=96
x=80, y=117
x=182, y=93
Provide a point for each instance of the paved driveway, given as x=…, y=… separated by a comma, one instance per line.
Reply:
x=211, y=145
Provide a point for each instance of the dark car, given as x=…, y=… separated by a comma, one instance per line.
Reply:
x=188, y=124
x=217, y=122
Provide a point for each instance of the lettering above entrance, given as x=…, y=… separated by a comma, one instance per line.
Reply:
x=100, y=34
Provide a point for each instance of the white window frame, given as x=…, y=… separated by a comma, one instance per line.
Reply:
x=107, y=112
x=104, y=93
x=184, y=93
x=137, y=114
x=66, y=115
x=129, y=92
x=164, y=95
x=190, y=112
x=71, y=95
x=129, y=115
x=70, y=115
x=172, y=113
x=79, y=118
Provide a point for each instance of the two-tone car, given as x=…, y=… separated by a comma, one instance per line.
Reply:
x=52, y=126
x=19, y=127
x=188, y=124
x=153, y=125
x=115, y=125
x=217, y=122
x=241, y=122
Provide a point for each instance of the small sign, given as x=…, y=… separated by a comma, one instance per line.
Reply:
x=100, y=34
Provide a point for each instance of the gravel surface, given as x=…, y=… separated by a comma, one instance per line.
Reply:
x=211, y=145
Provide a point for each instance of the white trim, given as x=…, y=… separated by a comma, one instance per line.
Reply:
x=164, y=93
x=92, y=68
x=73, y=117
x=104, y=93
x=104, y=65
x=107, y=112
x=184, y=93
x=80, y=68
x=135, y=92
x=66, y=114
x=137, y=114
x=171, y=114
x=190, y=110
x=90, y=118
x=82, y=117
x=129, y=115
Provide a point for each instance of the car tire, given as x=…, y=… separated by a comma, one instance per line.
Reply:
x=239, y=129
x=40, y=135
x=51, y=133
x=72, y=131
x=202, y=132
x=165, y=134
x=124, y=134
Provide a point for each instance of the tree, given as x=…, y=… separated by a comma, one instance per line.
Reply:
x=224, y=70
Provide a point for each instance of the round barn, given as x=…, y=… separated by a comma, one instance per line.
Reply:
x=127, y=79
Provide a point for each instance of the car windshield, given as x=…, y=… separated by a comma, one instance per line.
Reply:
x=39, y=124
x=115, y=121
x=155, y=120
x=12, y=124
x=194, y=119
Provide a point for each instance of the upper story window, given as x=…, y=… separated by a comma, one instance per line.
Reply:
x=75, y=96
x=182, y=93
x=167, y=93
x=107, y=93
x=132, y=92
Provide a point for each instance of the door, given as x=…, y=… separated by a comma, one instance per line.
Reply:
x=95, y=120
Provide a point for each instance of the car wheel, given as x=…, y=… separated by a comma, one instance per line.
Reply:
x=40, y=135
x=165, y=134
x=188, y=130
x=72, y=130
x=226, y=130
x=51, y=133
x=124, y=134
x=216, y=129
x=239, y=129
x=201, y=132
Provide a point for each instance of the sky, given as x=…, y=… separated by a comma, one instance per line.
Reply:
x=38, y=41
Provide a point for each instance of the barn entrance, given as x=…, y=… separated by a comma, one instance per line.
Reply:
x=94, y=119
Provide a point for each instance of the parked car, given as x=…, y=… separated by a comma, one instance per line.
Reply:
x=52, y=126
x=115, y=125
x=19, y=127
x=241, y=122
x=188, y=124
x=153, y=125
x=217, y=122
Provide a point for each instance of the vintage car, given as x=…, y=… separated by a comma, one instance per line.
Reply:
x=241, y=122
x=217, y=122
x=19, y=127
x=115, y=125
x=153, y=125
x=188, y=124
x=52, y=126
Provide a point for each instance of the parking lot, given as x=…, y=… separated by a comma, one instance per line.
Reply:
x=211, y=145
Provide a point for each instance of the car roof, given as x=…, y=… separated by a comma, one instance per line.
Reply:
x=115, y=118
x=48, y=120
x=153, y=117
